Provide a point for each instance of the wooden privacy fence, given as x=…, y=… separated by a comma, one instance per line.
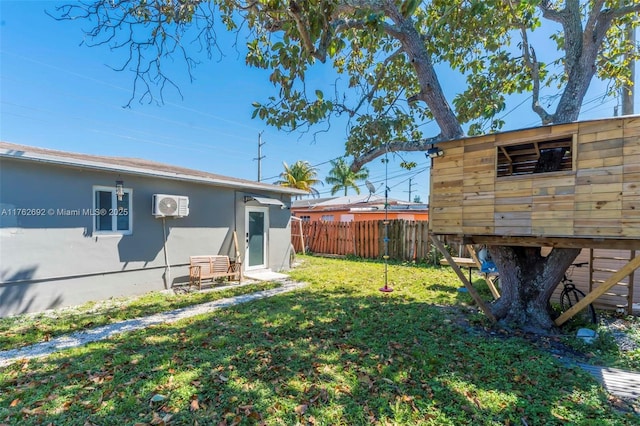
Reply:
x=407, y=240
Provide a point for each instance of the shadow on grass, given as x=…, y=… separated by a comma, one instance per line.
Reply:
x=310, y=356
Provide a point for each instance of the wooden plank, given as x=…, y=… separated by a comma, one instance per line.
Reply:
x=555, y=215
x=631, y=266
x=472, y=291
x=554, y=198
x=513, y=193
x=539, y=206
x=535, y=134
x=509, y=231
x=477, y=195
x=594, y=228
x=631, y=148
x=596, y=145
x=509, y=208
x=550, y=241
x=631, y=164
x=596, y=189
x=470, y=208
x=600, y=178
x=478, y=222
x=516, y=215
x=557, y=190
x=552, y=231
x=594, y=163
x=544, y=181
x=599, y=152
x=599, y=205
x=474, y=200
x=607, y=215
x=600, y=127
x=510, y=183
x=477, y=230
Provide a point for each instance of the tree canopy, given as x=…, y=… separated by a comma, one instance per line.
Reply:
x=300, y=175
x=342, y=177
x=391, y=56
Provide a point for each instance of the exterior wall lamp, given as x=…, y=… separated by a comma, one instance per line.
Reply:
x=434, y=152
x=119, y=189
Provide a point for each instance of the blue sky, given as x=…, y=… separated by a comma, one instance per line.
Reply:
x=58, y=94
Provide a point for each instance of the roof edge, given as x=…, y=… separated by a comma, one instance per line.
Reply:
x=22, y=153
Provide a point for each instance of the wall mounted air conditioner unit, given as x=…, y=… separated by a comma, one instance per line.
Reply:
x=170, y=205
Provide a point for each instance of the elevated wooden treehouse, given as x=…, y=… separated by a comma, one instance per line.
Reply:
x=567, y=185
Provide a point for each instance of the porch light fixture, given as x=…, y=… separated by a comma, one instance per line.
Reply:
x=119, y=189
x=434, y=152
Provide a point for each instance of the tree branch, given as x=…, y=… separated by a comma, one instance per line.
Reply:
x=367, y=97
x=531, y=61
x=372, y=154
x=550, y=13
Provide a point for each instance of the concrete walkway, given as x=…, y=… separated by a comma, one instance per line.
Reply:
x=100, y=333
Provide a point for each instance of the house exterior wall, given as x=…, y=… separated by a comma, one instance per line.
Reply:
x=598, y=198
x=56, y=259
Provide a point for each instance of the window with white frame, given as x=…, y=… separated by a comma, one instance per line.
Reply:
x=112, y=213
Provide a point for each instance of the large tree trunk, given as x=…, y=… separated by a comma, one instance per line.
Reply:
x=527, y=280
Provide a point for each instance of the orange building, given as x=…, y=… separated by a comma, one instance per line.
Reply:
x=355, y=208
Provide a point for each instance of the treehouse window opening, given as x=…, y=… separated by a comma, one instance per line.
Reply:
x=535, y=157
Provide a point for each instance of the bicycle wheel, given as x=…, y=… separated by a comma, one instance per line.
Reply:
x=569, y=297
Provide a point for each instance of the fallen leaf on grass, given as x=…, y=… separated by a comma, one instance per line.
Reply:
x=14, y=402
x=35, y=412
x=301, y=409
x=194, y=405
x=158, y=420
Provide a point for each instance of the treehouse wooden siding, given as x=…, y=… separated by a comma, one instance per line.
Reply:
x=600, y=265
x=593, y=193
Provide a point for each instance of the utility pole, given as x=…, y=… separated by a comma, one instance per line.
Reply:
x=260, y=156
x=410, y=179
x=628, y=91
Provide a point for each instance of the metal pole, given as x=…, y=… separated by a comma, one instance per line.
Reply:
x=386, y=288
x=167, y=265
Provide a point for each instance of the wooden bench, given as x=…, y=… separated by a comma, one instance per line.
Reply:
x=474, y=262
x=213, y=268
x=463, y=262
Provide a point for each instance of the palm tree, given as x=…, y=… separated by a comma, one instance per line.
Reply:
x=300, y=175
x=341, y=176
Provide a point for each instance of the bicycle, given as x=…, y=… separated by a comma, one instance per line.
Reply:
x=570, y=295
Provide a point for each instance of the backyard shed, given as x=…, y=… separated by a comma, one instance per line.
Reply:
x=77, y=227
x=565, y=185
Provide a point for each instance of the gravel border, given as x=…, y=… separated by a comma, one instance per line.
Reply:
x=100, y=333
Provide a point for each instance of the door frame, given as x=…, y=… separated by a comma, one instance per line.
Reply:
x=265, y=259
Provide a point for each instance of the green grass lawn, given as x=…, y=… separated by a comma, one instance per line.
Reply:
x=337, y=352
x=23, y=330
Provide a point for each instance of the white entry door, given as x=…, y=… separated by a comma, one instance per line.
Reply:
x=256, y=227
